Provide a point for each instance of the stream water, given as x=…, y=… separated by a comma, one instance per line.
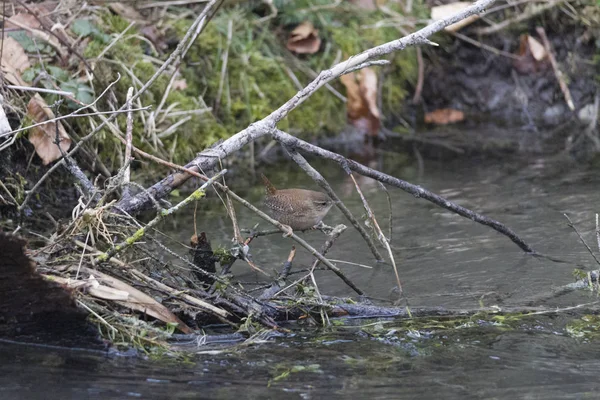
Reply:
x=444, y=260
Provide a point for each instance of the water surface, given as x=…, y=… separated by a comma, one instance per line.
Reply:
x=444, y=260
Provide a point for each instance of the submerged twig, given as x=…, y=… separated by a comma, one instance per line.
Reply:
x=391, y=217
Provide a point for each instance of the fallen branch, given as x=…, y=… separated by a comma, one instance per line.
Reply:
x=417, y=191
x=208, y=159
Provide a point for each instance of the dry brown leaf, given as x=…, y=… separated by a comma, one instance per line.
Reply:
x=107, y=293
x=304, y=39
x=361, y=106
x=43, y=137
x=444, y=116
x=532, y=56
x=354, y=102
x=368, y=87
x=447, y=10
x=14, y=61
x=140, y=301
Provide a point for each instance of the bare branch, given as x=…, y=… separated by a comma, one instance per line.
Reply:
x=207, y=159
x=417, y=191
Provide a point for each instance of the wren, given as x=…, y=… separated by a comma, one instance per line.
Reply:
x=299, y=209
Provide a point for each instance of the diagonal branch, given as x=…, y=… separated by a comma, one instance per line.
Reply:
x=318, y=178
x=349, y=165
x=208, y=159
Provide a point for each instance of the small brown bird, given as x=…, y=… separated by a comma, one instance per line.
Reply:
x=300, y=209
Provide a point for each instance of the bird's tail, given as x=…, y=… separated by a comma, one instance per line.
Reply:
x=268, y=185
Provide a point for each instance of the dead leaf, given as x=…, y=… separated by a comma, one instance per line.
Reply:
x=532, y=56
x=127, y=12
x=14, y=61
x=361, y=107
x=21, y=20
x=105, y=292
x=140, y=301
x=447, y=10
x=537, y=49
x=35, y=29
x=444, y=116
x=368, y=87
x=304, y=39
x=43, y=137
x=157, y=37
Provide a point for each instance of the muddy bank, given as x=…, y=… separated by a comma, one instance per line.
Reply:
x=517, y=100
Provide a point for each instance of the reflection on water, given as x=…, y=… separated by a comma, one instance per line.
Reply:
x=484, y=363
x=444, y=260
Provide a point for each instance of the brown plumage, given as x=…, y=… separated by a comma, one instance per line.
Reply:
x=300, y=209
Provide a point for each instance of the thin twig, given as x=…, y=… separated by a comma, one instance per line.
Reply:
x=534, y=10
x=40, y=90
x=129, y=139
x=208, y=158
x=420, y=77
x=484, y=46
x=557, y=72
x=390, y=218
x=318, y=178
x=191, y=33
x=581, y=238
x=378, y=231
x=351, y=263
x=597, y=232
x=417, y=191
x=198, y=193
x=225, y=59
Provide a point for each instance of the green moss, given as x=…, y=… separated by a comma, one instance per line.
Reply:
x=135, y=237
x=587, y=327
x=224, y=256
x=260, y=75
x=115, y=23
